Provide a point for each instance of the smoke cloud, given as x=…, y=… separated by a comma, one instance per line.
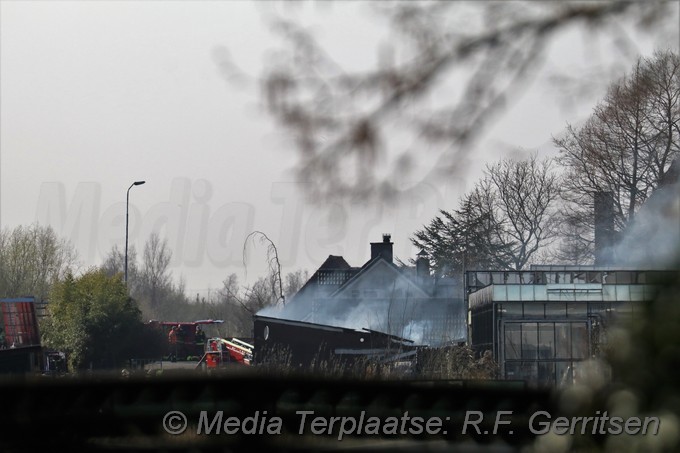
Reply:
x=652, y=239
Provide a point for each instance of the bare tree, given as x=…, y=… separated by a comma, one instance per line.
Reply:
x=274, y=279
x=344, y=122
x=502, y=223
x=114, y=263
x=155, y=275
x=527, y=192
x=262, y=293
x=294, y=282
x=626, y=147
x=230, y=307
x=31, y=259
x=575, y=241
x=662, y=76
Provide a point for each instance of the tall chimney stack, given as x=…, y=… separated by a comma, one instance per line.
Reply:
x=604, y=227
x=383, y=248
x=423, y=265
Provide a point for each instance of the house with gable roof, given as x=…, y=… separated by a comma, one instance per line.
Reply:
x=401, y=301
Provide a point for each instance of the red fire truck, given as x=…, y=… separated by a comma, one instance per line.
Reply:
x=222, y=351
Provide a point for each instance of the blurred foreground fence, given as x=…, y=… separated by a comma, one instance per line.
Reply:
x=127, y=414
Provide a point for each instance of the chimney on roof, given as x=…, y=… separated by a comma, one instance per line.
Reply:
x=604, y=227
x=383, y=248
x=423, y=265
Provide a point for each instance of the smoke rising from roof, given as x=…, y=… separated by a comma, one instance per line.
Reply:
x=394, y=306
x=652, y=239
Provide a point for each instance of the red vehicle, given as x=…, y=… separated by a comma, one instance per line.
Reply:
x=221, y=351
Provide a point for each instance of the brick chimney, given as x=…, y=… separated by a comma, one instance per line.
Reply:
x=422, y=265
x=383, y=248
x=604, y=227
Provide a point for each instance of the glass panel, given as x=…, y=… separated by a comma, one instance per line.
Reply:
x=622, y=292
x=577, y=310
x=533, y=310
x=555, y=309
x=480, y=279
x=579, y=340
x=623, y=307
x=562, y=340
x=540, y=292
x=525, y=371
x=513, y=341
x=497, y=278
x=594, y=277
x=512, y=278
x=637, y=292
x=511, y=310
x=513, y=292
x=578, y=369
x=529, y=372
x=578, y=277
x=527, y=292
x=546, y=373
x=563, y=373
x=599, y=309
x=623, y=277
x=529, y=340
x=512, y=370
x=546, y=340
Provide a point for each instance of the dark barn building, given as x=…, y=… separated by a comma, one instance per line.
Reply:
x=316, y=347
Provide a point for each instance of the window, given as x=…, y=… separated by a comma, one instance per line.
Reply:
x=512, y=278
x=533, y=310
x=513, y=341
x=622, y=277
x=579, y=341
x=577, y=310
x=546, y=340
x=562, y=340
x=526, y=371
x=546, y=373
x=498, y=278
x=511, y=310
x=529, y=340
x=594, y=277
x=555, y=310
x=564, y=373
x=578, y=277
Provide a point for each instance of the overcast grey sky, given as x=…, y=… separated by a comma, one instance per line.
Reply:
x=96, y=95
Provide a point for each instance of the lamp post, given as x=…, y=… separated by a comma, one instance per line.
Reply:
x=127, y=216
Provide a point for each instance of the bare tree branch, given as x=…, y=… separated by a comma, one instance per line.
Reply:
x=272, y=261
x=345, y=123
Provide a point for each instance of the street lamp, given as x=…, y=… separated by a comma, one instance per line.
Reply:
x=127, y=216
